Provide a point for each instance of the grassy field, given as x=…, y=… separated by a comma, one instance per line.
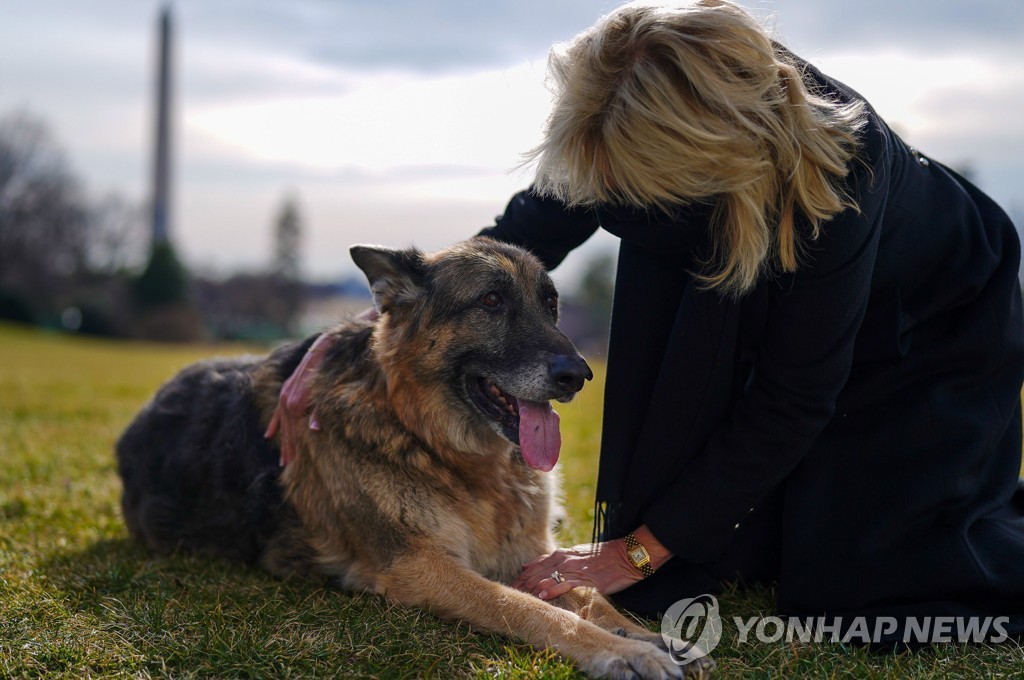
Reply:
x=79, y=599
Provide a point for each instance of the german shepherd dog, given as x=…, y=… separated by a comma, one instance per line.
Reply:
x=426, y=480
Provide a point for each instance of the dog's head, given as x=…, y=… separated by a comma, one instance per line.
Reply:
x=468, y=340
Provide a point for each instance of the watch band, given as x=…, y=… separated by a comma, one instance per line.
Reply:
x=638, y=555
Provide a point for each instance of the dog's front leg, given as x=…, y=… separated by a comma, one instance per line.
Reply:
x=441, y=584
x=594, y=607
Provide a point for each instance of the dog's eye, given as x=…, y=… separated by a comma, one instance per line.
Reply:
x=491, y=299
x=553, y=303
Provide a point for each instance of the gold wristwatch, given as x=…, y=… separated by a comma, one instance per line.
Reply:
x=638, y=555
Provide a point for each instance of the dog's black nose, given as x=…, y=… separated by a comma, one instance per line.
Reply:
x=569, y=371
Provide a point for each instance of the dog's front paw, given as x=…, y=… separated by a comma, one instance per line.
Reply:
x=635, y=660
x=699, y=669
x=656, y=639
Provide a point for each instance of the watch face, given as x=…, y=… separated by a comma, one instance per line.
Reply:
x=638, y=555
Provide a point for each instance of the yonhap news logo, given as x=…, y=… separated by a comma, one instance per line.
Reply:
x=911, y=630
x=692, y=628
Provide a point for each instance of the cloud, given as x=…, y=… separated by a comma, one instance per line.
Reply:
x=933, y=27
x=416, y=35
x=381, y=123
x=439, y=36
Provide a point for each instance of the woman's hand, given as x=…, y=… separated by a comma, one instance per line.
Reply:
x=603, y=566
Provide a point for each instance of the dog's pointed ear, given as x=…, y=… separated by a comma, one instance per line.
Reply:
x=396, y=276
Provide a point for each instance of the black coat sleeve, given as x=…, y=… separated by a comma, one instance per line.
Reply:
x=544, y=226
x=801, y=365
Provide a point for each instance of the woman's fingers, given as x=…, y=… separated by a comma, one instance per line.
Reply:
x=549, y=589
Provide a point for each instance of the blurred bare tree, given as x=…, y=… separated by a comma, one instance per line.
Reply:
x=57, y=251
x=43, y=219
x=117, y=236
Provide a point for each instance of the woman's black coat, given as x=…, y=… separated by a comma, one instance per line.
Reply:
x=851, y=431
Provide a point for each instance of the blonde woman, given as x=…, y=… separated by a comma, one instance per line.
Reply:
x=816, y=351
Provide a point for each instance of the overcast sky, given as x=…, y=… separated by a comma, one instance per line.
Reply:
x=402, y=121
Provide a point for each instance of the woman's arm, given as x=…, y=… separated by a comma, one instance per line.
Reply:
x=544, y=226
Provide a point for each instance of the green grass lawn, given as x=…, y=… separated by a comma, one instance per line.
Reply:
x=79, y=599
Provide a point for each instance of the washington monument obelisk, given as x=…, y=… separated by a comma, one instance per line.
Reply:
x=162, y=156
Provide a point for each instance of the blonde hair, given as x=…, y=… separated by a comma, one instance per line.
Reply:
x=657, y=106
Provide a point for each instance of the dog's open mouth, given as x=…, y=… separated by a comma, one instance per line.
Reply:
x=530, y=424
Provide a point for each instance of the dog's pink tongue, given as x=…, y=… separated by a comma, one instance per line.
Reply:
x=539, y=436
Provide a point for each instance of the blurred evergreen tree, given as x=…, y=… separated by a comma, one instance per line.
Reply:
x=286, y=303
x=597, y=287
x=163, y=282
x=163, y=304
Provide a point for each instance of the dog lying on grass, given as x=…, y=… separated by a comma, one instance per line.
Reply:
x=426, y=482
